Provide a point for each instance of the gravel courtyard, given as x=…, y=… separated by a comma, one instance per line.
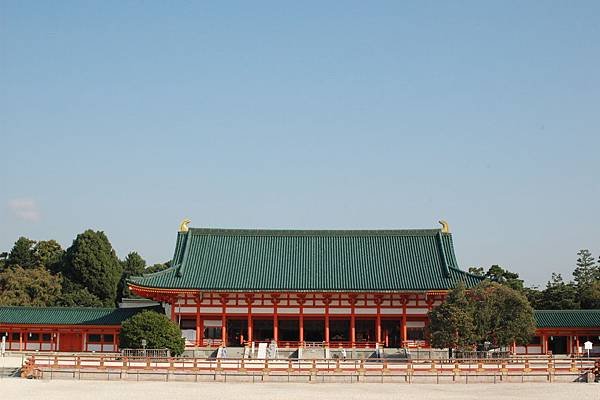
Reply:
x=68, y=389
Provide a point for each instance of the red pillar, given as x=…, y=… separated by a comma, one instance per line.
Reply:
x=352, y=326
x=223, y=328
x=327, y=324
x=198, y=330
x=173, y=311
x=301, y=333
x=544, y=344
x=275, y=326
x=378, y=319
x=404, y=333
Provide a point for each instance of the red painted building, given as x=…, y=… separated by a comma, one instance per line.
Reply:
x=63, y=328
x=344, y=288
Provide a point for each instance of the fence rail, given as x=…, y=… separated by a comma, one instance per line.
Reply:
x=45, y=366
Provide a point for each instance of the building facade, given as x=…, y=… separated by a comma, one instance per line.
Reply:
x=341, y=288
x=66, y=329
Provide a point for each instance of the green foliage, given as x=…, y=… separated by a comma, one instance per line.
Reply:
x=49, y=254
x=504, y=277
x=157, y=267
x=92, y=263
x=586, y=272
x=500, y=275
x=589, y=295
x=558, y=295
x=501, y=315
x=490, y=312
x=158, y=331
x=29, y=287
x=75, y=295
x=451, y=324
x=22, y=254
x=133, y=265
x=478, y=271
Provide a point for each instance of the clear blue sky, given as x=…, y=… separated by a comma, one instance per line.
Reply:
x=129, y=116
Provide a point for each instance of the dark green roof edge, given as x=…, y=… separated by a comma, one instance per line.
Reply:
x=178, y=270
x=69, y=315
x=313, y=232
x=567, y=318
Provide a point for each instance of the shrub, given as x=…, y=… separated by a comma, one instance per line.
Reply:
x=158, y=331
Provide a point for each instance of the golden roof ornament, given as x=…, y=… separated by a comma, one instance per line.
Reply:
x=183, y=227
x=445, y=226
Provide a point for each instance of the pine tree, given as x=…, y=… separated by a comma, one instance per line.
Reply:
x=91, y=263
x=22, y=254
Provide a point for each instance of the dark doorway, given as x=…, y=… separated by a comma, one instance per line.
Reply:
x=339, y=330
x=262, y=329
x=314, y=330
x=365, y=330
x=237, y=332
x=558, y=344
x=390, y=333
x=289, y=330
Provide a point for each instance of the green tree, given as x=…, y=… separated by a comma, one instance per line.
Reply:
x=29, y=287
x=157, y=267
x=75, y=295
x=22, y=254
x=158, y=331
x=501, y=315
x=558, y=295
x=504, y=277
x=92, y=263
x=479, y=271
x=586, y=271
x=133, y=265
x=451, y=324
x=49, y=254
x=587, y=280
x=589, y=295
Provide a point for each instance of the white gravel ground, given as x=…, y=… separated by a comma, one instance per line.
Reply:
x=67, y=389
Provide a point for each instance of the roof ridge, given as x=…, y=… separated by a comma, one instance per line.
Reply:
x=316, y=232
x=63, y=308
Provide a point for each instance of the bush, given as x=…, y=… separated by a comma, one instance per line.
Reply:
x=158, y=330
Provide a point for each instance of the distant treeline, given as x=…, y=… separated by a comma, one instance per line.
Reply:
x=87, y=274
x=90, y=274
x=583, y=292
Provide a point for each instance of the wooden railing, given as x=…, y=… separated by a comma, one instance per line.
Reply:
x=45, y=366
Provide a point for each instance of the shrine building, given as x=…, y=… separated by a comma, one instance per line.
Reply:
x=350, y=288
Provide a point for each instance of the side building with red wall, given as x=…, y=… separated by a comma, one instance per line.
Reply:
x=63, y=329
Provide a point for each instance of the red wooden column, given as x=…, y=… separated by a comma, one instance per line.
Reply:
x=199, y=333
x=544, y=344
x=224, y=298
x=404, y=333
x=301, y=300
x=378, y=301
x=327, y=302
x=275, y=300
x=249, y=300
x=352, y=300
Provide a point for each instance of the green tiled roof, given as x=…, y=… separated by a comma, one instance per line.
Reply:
x=66, y=315
x=297, y=260
x=567, y=318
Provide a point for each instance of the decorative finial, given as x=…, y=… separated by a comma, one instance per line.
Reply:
x=445, y=226
x=183, y=227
